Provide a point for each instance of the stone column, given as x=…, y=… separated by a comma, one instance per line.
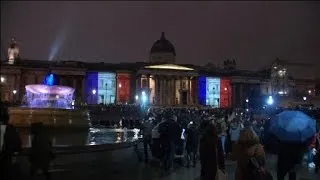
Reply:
x=196, y=91
x=148, y=89
x=161, y=90
x=189, y=101
x=83, y=93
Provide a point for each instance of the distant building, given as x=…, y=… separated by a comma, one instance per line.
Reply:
x=158, y=81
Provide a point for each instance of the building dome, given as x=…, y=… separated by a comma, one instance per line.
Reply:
x=163, y=46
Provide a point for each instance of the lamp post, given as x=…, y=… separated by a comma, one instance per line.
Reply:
x=226, y=90
x=93, y=93
x=106, y=100
x=14, y=95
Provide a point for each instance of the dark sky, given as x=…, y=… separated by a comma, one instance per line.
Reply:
x=253, y=32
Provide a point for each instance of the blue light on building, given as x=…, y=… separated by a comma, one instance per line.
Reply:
x=202, y=90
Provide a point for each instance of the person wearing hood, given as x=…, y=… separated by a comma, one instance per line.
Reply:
x=246, y=147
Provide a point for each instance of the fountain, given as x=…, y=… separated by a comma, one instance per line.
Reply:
x=50, y=104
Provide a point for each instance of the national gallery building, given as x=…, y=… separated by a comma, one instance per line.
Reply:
x=159, y=81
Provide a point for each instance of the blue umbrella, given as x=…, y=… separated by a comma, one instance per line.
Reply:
x=293, y=126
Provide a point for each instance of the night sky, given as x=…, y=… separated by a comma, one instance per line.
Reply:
x=255, y=33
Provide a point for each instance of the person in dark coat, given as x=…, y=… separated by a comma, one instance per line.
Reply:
x=288, y=159
x=11, y=144
x=192, y=142
x=41, y=151
x=209, y=155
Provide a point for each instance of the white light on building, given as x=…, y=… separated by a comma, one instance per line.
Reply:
x=14, y=91
x=270, y=100
x=57, y=96
x=225, y=89
x=2, y=79
x=94, y=91
x=309, y=91
x=120, y=85
x=137, y=97
x=304, y=98
x=247, y=100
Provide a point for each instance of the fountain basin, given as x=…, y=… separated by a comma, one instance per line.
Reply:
x=52, y=117
x=83, y=141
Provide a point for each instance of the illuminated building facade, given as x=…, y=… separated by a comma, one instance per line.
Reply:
x=159, y=81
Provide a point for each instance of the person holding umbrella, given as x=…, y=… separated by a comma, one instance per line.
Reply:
x=294, y=130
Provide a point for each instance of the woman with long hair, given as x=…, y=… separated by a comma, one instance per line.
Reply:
x=246, y=147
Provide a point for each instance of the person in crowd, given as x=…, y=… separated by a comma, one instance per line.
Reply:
x=167, y=140
x=147, y=137
x=11, y=144
x=192, y=141
x=234, y=132
x=210, y=154
x=289, y=159
x=317, y=155
x=222, y=132
x=246, y=148
x=41, y=153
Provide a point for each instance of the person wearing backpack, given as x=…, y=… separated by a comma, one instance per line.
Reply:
x=250, y=157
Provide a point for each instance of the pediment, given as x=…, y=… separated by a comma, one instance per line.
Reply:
x=169, y=67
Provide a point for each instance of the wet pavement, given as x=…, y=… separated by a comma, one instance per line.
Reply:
x=123, y=164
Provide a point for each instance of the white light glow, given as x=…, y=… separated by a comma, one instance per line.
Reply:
x=169, y=66
x=304, y=98
x=14, y=91
x=247, y=100
x=280, y=92
x=57, y=96
x=120, y=85
x=137, y=97
x=2, y=79
x=144, y=97
x=270, y=100
x=309, y=91
x=225, y=89
x=94, y=91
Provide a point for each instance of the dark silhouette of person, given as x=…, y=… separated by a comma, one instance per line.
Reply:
x=11, y=144
x=192, y=143
x=288, y=159
x=41, y=151
x=211, y=154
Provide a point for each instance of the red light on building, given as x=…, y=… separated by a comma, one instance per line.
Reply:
x=225, y=93
x=123, y=88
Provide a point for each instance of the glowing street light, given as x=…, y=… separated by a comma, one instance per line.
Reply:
x=14, y=91
x=94, y=91
x=270, y=100
x=304, y=98
x=144, y=97
x=2, y=79
x=309, y=91
x=137, y=97
x=247, y=100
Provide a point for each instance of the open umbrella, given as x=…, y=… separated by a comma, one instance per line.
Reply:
x=292, y=126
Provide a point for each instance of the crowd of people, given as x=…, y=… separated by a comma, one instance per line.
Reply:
x=185, y=136
x=217, y=134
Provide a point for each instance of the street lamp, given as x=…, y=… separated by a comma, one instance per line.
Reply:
x=309, y=92
x=14, y=91
x=93, y=93
x=2, y=79
x=304, y=98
